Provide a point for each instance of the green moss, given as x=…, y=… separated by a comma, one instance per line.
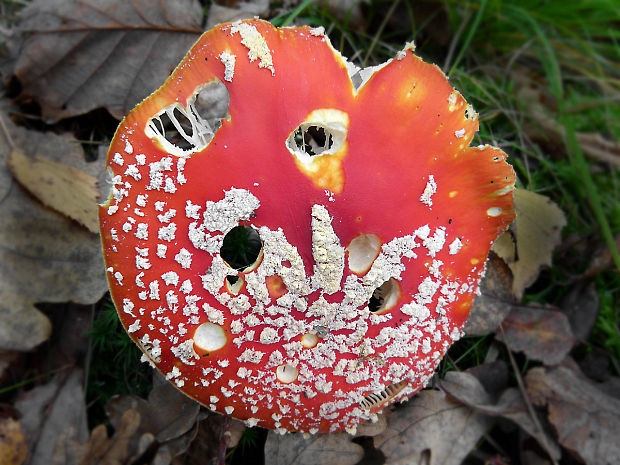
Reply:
x=115, y=367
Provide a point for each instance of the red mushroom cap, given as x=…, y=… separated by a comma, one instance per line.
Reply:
x=375, y=219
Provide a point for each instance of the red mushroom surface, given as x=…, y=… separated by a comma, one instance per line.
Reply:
x=375, y=219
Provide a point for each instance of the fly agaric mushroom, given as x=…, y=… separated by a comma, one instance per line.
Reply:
x=371, y=215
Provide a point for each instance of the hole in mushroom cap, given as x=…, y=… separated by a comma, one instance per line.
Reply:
x=234, y=284
x=363, y=250
x=323, y=132
x=314, y=140
x=286, y=373
x=241, y=248
x=170, y=121
x=309, y=340
x=184, y=130
x=385, y=296
x=209, y=337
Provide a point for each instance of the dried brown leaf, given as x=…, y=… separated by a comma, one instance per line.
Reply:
x=50, y=412
x=86, y=54
x=611, y=387
x=62, y=187
x=323, y=449
x=242, y=10
x=7, y=357
x=167, y=414
x=99, y=449
x=548, y=132
x=495, y=299
x=598, y=148
x=126, y=446
x=369, y=428
x=347, y=10
x=510, y=405
x=594, y=365
x=532, y=457
x=542, y=334
x=586, y=420
x=602, y=260
x=117, y=448
x=581, y=305
x=431, y=427
x=176, y=447
x=207, y=445
x=537, y=229
x=13, y=446
x=44, y=257
x=492, y=375
x=236, y=430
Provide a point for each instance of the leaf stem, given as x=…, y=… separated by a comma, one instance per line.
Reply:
x=528, y=402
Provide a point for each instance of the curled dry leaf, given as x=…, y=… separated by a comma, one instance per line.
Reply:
x=37, y=242
x=585, y=419
x=324, y=449
x=495, y=300
x=99, y=449
x=536, y=230
x=82, y=55
x=542, y=334
x=167, y=413
x=431, y=426
x=13, y=445
x=168, y=422
x=510, y=405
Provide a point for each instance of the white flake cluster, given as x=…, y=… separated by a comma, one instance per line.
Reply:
x=359, y=355
x=255, y=43
x=223, y=215
x=429, y=190
x=228, y=60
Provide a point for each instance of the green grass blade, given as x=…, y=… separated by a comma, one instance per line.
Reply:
x=379, y=33
x=553, y=73
x=574, y=149
x=293, y=14
x=549, y=60
x=470, y=35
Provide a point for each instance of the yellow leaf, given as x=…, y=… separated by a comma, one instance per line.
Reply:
x=537, y=231
x=13, y=446
x=44, y=256
x=61, y=187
